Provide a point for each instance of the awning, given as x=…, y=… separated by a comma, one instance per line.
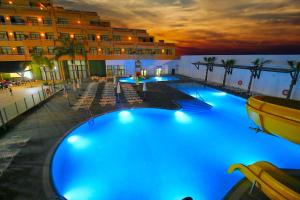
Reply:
x=13, y=66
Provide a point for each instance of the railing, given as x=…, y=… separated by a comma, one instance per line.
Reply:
x=15, y=109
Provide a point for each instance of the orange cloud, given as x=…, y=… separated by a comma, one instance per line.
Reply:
x=213, y=26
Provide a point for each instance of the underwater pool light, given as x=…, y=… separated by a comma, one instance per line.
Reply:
x=125, y=116
x=78, y=142
x=220, y=93
x=182, y=117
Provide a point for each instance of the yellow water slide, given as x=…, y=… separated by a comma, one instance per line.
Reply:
x=270, y=180
x=276, y=116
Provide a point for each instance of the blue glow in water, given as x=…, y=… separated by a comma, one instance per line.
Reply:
x=157, y=154
x=78, y=141
x=125, y=117
x=149, y=80
x=182, y=117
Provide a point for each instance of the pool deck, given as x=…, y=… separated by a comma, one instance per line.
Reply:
x=49, y=122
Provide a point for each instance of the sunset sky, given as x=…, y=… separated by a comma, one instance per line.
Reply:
x=207, y=26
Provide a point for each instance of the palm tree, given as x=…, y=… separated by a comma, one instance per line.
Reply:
x=296, y=69
x=39, y=60
x=210, y=61
x=256, y=70
x=44, y=62
x=228, y=66
x=70, y=48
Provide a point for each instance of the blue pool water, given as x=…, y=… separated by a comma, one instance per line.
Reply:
x=149, y=80
x=157, y=154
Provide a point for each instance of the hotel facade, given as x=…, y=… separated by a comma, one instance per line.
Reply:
x=29, y=27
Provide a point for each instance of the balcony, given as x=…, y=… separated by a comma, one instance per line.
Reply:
x=14, y=57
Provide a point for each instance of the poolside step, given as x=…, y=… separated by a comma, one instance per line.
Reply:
x=194, y=105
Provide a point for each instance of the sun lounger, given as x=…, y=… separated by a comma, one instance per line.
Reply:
x=18, y=141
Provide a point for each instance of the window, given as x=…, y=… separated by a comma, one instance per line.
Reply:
x=117, y=51
x=20, y=50
x=16, y=20
x=49, y=36
x=128, y=51
x=93, y=51
x=47, y=22
x=36, y=50
x=80, y=50
x=62, y=21
x=2, y=19
x=3, y=36
x=115, y=70
x=95, y=23
x=116, y=38
x=169, y=51
x=19, y=36
x=92, y=37
x=106, y=51
x=142, y=39
x=78, y=70
x=5, y=50
x=148, y=51
x=51, y=50
x=64, y=36
x=79, y=36
x=104, y=38
x=157, y=51
x=139, y=51
x=34, y=35
x=32, y=21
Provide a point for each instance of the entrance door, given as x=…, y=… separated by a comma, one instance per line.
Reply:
x=158, y=72
x=173, y=71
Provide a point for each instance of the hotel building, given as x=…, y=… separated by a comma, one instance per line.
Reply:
x=29, y=27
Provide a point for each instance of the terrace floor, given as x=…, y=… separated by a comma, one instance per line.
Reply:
x=46, y=124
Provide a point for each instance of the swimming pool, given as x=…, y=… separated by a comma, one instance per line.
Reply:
x=157, y=154
x=149, y=80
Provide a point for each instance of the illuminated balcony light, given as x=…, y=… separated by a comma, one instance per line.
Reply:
x=13, y=48
x=123, y=50
x=78, y=22
x=7, y=18
x=10, y=2
x=72, y=36
x=129, y=38
x=40, y=19
x=163, y=51
x=41, y=8
x=11, y=33
x=99, y=49
x=98, y=37
x=43, y=34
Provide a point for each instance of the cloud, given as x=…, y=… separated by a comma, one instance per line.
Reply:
x=214, y=24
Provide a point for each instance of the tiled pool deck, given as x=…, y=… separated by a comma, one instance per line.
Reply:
x=46, y=124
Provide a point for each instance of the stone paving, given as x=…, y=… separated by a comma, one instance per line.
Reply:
x=19, y=92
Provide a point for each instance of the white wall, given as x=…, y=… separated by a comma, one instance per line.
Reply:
x=270, y=83
x=149, y=65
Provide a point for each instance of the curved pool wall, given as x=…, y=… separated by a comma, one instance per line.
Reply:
x=149, y=80
x=165, y=154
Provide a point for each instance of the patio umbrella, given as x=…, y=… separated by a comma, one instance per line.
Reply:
x=118, y=91
x=144, y=89
x=115, y=81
